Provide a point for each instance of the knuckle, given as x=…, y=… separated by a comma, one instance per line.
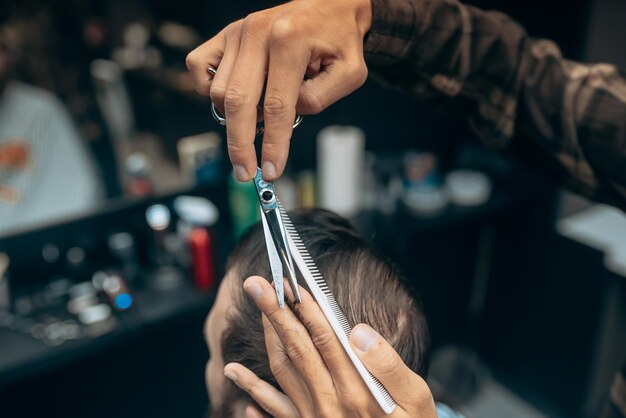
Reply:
x=312, y=104
x=357, y=73
x=234, y=99
x=273, y=146
x=296, y=351
x=355, y=405
x=422, y=394
x=274, y=106
x=235, y=148
x=389, y=366
x=279, y=368
x=192, y=59
x=253, y=23
x=284, y=29
x=322, y=339
x=234, y=27
x=217, y=93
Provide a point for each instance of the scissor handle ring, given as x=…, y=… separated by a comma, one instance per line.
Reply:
x=222, y=120
x=259, y=130
x=218, y=118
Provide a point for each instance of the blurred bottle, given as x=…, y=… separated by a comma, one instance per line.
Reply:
x=244, y=205
x=306, y=189
x=114, y=286
x=423, y=191
x=197, y=215
x=340, y=155
x=139, y=183
x=122, y=248
x=158, y=218
x=114, y=101
x=165, y=274
x=201, y=158
x=370, y=195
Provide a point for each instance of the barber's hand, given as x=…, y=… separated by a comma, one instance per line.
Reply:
x=316, y=374
x=318, y=38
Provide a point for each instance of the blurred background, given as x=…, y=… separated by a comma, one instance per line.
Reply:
x=118, y=209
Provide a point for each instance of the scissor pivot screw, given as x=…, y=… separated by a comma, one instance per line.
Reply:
x=267, y=196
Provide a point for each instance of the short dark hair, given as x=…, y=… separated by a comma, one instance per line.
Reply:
x=367, y=286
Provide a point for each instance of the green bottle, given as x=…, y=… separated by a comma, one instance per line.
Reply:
x=244, y=205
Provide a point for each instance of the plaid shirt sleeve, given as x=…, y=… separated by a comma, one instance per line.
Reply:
x=569, y=116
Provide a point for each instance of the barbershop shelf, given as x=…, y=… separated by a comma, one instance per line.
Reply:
x=404, y=223
x=22, y=356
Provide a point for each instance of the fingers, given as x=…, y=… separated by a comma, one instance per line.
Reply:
x=334, y=82
x=407, y=388
x=253, y=412
x=242, y=96
x=267, y=396
x=241, y=59
x=285, y=373
x=208, y=54
x=287, y=66
x=289, y=41
x=344, y=374
x=295, y=340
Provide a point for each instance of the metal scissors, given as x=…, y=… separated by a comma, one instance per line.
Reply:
x=273, y=228
x=283, y=242
x=278, y=249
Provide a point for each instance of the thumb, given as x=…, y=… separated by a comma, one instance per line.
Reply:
x=407, y=388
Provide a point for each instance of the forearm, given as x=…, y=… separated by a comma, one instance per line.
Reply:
x=515, y=87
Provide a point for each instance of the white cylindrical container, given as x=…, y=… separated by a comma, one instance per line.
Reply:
x=340, y=155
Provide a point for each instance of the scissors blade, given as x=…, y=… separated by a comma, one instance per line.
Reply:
x=279, y=236
x=286, y=256
x=275, y=263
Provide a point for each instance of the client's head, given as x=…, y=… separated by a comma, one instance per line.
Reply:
x=366, y=285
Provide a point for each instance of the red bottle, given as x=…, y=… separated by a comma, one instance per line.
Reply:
x=201, y=245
